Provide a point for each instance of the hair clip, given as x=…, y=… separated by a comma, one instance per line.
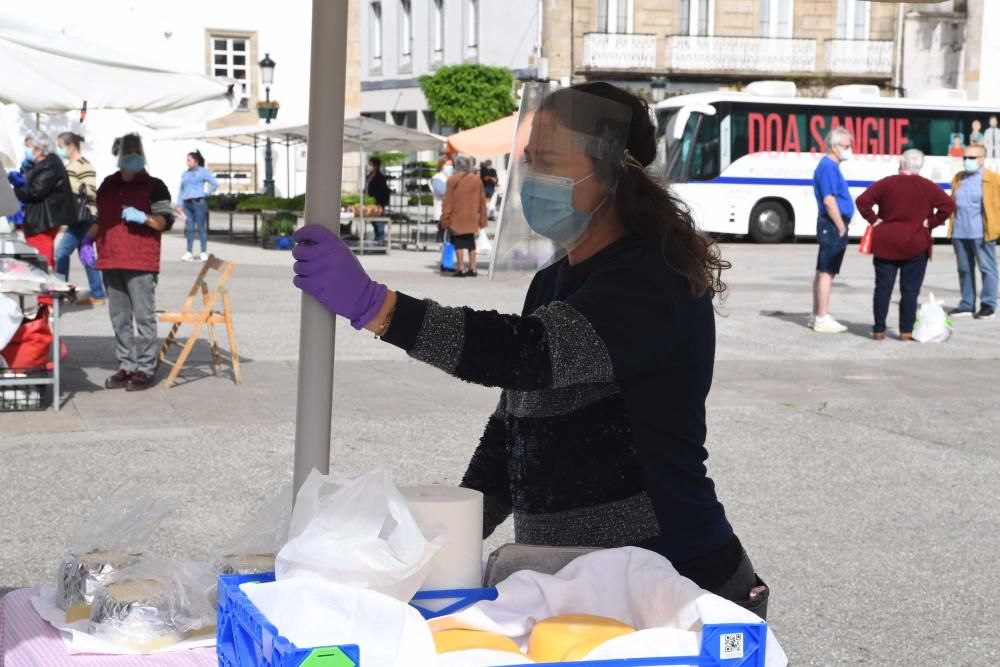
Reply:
x=628, y=160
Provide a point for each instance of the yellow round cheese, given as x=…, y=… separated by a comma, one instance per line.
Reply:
x=554, y=637
x=580, y=651
x=463, y=640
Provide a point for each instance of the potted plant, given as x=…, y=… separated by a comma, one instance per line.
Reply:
x=267, y=110
x=277, y=231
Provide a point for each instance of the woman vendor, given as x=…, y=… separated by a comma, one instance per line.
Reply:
x=599, y=435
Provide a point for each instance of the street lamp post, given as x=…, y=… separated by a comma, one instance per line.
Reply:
x=658, y=87
x=267, y=76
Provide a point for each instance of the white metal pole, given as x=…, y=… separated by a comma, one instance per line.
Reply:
x=314, y=404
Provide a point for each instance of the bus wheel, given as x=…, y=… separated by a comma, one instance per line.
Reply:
x=769, y=222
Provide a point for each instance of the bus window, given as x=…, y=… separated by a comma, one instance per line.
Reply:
x=705, y=151
x=695, y=156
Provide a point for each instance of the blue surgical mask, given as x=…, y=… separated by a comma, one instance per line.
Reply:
x=971, y=165
x=547, y=203
x=448, y=170
x=63, y=153
x=133, y=162
x=29, y=154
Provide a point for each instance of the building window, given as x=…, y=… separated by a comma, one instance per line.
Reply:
x=406, y=34
x=697, y=17
x=852, y=19
x=614, y=15
x=374, y=115
x=231, y=60
x=437, y=32
x=472, y=29
x=376, y=21
x=405, y=119
x=776, y=18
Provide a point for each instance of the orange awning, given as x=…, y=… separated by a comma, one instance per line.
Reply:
x=491, y=139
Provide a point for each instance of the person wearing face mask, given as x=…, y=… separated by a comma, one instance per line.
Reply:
x=598, y=438
x=46, y=195
x=133, y=210
x=833, y=198
x=83, y=184
x=463, y=214
x=439, y=186
x=909, y=208
x=973, y=230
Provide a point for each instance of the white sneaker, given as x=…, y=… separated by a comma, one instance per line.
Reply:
x=204, y=256
x=188, y=257
x=826, y=324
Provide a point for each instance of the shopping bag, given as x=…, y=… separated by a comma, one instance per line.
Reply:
x=448, y=256
x=933, y=323
x=358, y=533
x=865, y=247
x=32, y=342
x=483, y=245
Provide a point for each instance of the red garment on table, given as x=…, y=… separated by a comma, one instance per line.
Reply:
x=904, y=201
x=45, y=244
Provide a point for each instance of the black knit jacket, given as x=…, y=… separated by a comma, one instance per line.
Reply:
x=598, y=437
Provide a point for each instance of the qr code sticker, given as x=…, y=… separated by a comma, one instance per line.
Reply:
x=731, y=646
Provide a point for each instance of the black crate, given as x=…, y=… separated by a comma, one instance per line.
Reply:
x=24, y=397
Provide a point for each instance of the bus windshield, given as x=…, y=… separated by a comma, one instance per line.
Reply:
x=695, y=156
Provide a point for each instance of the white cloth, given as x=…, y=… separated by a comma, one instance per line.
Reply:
x=77, y=639
x=313, y=612
x=632, y=585
x=10, y=319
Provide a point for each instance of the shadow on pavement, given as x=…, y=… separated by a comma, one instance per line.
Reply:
x=801, y=319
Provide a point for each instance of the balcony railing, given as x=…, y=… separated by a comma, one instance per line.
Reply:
x=858, y=57
x=619, y=51
x=739, y=55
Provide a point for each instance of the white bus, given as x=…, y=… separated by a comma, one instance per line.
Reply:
x=743, y=161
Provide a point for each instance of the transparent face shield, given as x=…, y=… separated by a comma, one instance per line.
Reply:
x=564, y=166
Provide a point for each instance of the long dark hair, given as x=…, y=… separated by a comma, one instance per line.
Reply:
x=646, y=207
x=198, y=157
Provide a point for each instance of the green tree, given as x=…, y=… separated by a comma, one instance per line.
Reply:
x=465, y=96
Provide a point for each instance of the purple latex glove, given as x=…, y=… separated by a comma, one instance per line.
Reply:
x=130, y=214
x=328, y=271
x=87, y=254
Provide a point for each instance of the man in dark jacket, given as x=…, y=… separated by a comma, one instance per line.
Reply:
x=377, y=186
x=909, y=207
x=47, y=196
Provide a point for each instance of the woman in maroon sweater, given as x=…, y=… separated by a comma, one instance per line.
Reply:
x=909, y=207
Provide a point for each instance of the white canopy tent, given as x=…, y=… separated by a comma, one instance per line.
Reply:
x=360, y=135
x=47, y=72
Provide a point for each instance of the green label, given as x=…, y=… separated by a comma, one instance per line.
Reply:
x=330, y=656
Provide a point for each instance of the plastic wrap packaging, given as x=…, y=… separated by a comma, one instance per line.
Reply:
x=154, y=604
x=252, y=550
x=113, y=538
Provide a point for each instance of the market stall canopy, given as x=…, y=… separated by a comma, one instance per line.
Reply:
x=491, y=139
x=50, y=72
x=359, y=134
x=243, y=135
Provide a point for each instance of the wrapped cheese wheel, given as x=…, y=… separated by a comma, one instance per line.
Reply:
x=135, y=614
x=582, y=650
x=554, y=637
x=80, y=576
x=462, y=640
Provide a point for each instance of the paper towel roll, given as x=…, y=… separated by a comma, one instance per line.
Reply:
x=459, y=563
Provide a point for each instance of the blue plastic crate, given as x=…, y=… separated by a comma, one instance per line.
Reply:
x=247, y=639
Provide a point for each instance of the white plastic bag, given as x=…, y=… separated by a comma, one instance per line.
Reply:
x=10, y=319
x=933, y=324
x=483, y=245
x=357, y=533
x=253, y=548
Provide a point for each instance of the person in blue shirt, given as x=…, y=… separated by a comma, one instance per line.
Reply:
x=833, y=199
x=191, y=201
